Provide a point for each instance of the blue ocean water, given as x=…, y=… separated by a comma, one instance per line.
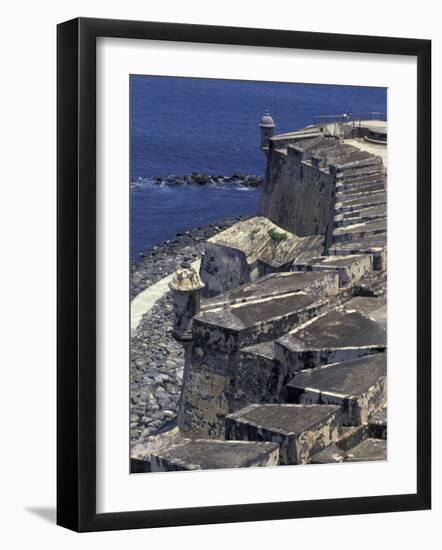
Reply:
x=184, y=125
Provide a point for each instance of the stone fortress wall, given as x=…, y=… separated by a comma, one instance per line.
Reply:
x=298, y=193
x=284, y=328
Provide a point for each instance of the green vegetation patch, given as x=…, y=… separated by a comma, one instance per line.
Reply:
x=277, y=236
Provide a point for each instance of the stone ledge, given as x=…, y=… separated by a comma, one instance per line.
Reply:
x=360, y=230
x=274, y=286
x=350, y=268
x=375, y=246
x=334, y=336
x=207, y=454
x=358, y=386
x=299, y=430
x=329, y=455
x=377, y=425
x=368, y=450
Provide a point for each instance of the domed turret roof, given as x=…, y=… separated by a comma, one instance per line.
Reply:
x=267, y=121
x=186, y=279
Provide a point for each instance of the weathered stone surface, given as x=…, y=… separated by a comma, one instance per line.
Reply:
x=279, y=257
x=372, y=183
x=359, y=386
x=373, y=307
x=246, y=324
x=203, y=454
x=368, y=450
x=350, y=269
x=251, y=249
x=329, y=455
x=299, y=430
x=351, y=436
x=276, y=285
x=375, y=246
x=370, y=165
x=357, y=203
x=365, y=185
x=361, y=230
x=377, y=425
x=298, y=193
x=142, y=450
x=362, y=215
x=254, y=317
x=205, y=399
x=335, y=336
x=259, y=377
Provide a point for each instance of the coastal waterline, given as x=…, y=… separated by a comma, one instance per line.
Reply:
x=158, y=212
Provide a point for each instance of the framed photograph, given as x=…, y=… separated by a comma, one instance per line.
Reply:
x=232, y=337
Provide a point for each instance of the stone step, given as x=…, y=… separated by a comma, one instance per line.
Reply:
x=343, y=221
x=378, y=177
x=351, y=436
x=210, y=454
x=141, y=450
x=357, y=216
x=359, y=231
x=335, y=336
x=377, y=425
x=352, y=173
x=362, y=180
x=350, y=268
x=375, y=246
x=343, y=191
x=359, y=386
x=330, y=455
x=363, y=186
x=348, y=205
x=373, y=307
x=343, y=159
x=368, y=450
x=299, y=430
x=365, y=160
x=367, y=194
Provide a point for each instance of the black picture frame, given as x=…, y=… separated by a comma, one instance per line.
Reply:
x=76, y=271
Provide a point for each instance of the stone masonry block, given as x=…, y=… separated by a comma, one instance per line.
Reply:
x=359, y=387
x=299, y=430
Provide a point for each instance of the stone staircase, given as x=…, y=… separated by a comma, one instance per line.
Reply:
x=291, y=368
x=360, y=219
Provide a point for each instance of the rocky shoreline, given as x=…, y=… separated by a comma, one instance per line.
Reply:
x=163, y=259
x=195, y=178
x=157, y=360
